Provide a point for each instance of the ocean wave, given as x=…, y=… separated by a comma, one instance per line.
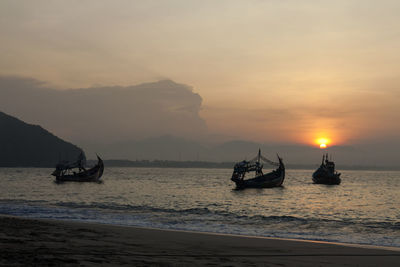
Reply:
x=127, y=207
x=208, y=220
x=279, y=222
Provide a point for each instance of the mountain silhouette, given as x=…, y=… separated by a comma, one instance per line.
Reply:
x=26, y=145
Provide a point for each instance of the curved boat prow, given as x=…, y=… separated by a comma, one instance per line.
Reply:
x=101, y=166
x=280, y=161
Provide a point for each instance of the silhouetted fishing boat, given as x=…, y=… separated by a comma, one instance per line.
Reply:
x=272, y=179
x=76, y=171
x=326, y=173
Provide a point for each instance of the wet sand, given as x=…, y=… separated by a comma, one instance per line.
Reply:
x=30, y=242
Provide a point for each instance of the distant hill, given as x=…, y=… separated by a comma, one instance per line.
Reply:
x=26, y=145
x=172, y=148
x=224, y=165
x=175, y=151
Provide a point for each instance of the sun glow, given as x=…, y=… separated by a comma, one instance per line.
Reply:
x=322, y=142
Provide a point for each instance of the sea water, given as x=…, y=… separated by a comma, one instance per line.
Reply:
x=363, y=209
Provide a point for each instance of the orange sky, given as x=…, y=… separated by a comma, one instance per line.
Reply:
x=282, y=71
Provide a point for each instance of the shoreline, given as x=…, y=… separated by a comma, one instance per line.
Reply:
x=364, y=246
x=348, y=244
x=28, y=241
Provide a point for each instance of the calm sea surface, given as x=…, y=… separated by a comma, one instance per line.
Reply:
x=364, y=209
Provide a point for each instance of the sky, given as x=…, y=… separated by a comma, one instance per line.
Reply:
x=275, y=71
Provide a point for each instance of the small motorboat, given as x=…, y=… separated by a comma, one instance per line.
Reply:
x=326, y=173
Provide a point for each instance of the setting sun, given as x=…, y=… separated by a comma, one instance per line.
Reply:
x=322, y=142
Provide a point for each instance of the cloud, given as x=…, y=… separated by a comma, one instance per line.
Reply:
x=105, y=114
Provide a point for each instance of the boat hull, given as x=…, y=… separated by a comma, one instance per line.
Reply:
x=323, y=177
x=269, y=180
x=91, y=175
x=264, y=181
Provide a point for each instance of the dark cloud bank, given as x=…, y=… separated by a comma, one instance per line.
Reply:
x=105, y=114
x=157, y=120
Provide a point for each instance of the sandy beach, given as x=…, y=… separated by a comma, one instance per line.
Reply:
x=48, y=242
